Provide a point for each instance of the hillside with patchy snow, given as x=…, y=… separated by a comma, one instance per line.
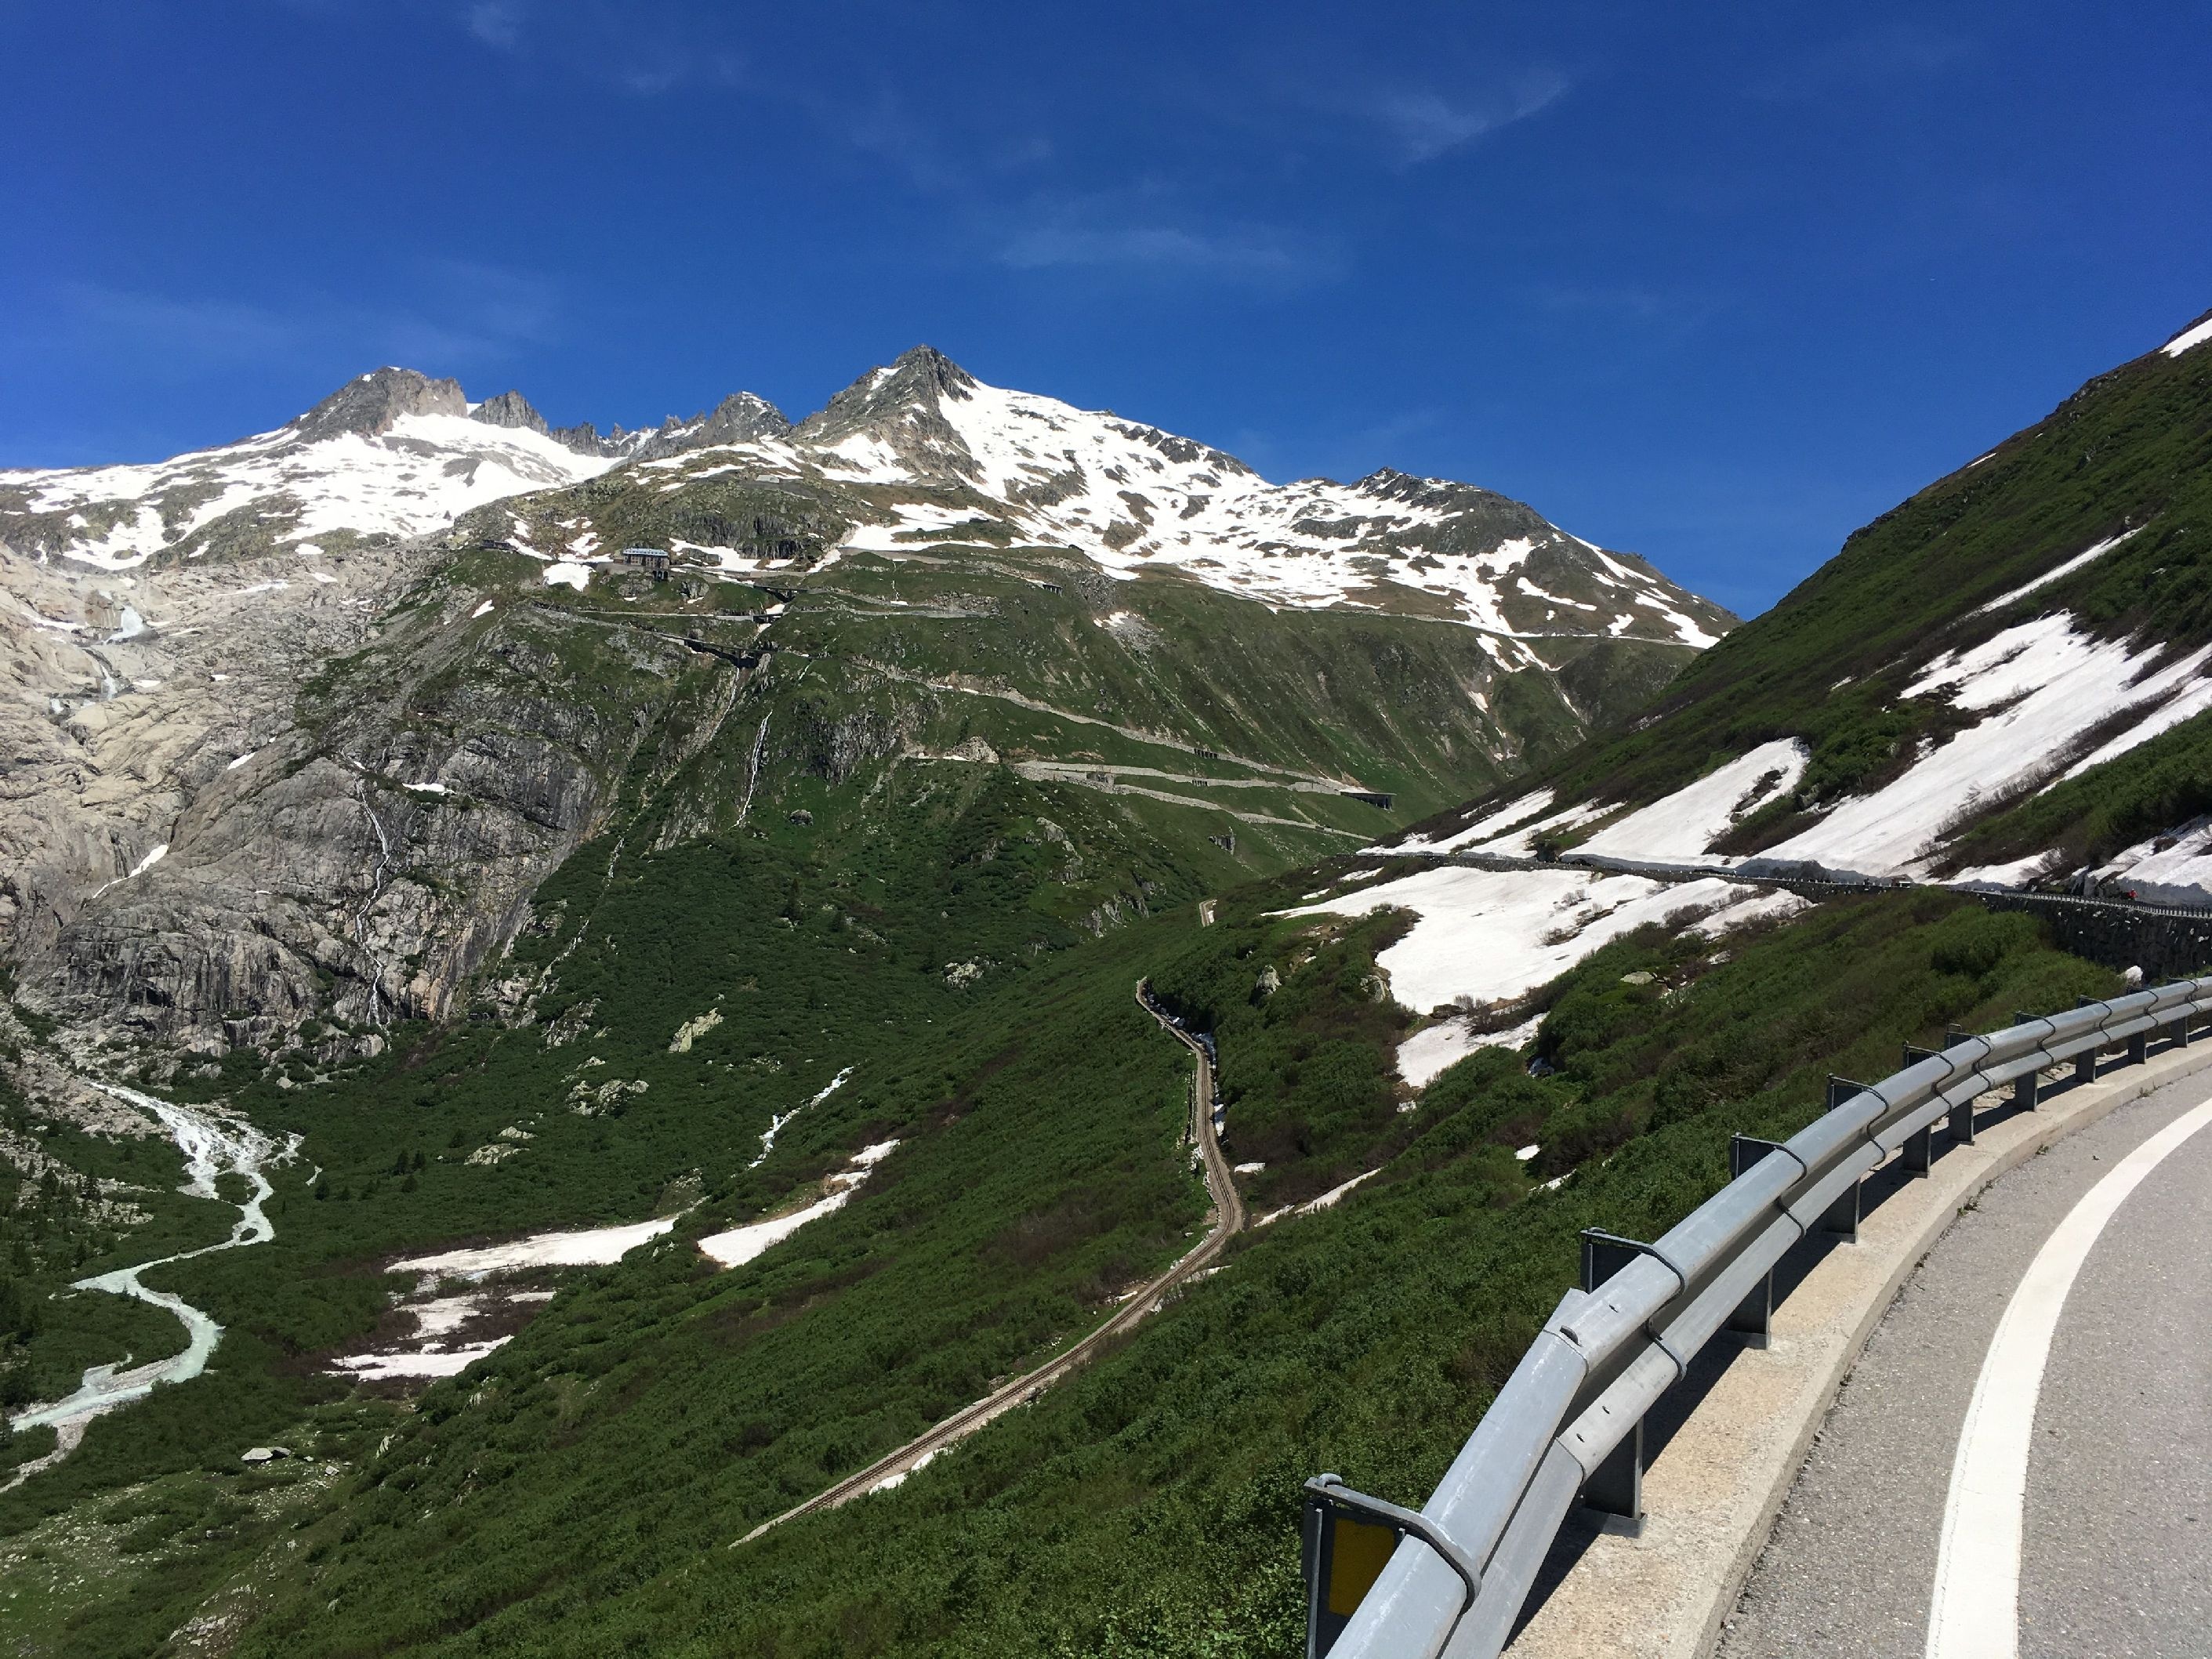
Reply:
x=2004, y=682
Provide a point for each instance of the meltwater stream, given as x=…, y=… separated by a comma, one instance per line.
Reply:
x=211, y=1146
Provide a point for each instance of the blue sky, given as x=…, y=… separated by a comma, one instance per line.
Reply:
x=1713, y=284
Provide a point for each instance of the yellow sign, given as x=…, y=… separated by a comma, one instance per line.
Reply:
x=1358, y=1551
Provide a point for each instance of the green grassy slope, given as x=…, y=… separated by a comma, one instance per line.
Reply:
x=1039, y=1175
x=933, y=834
x=1148, y=1506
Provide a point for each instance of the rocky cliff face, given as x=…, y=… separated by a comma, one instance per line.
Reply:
x=303, y=801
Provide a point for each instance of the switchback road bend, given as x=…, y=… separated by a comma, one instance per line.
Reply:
x=2020, y=1464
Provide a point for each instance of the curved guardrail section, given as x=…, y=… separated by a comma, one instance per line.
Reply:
x=1568, y=1423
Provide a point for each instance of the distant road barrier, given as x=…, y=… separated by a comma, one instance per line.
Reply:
x=1759, y=873
x=1450, y=1582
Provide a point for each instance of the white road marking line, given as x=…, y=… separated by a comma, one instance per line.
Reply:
x=1975, y=1613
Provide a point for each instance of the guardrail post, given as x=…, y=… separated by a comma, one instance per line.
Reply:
x=2139, y=1048
x=1614, y=1488
x=1348, y=1539
x=1962, y=1116
x=1754, y=1318
x=1961, y=1123
x=2085, y=1064
x=1841, y=1218
x=1918, y=1155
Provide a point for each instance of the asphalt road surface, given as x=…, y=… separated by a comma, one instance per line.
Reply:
x=2092, y=1260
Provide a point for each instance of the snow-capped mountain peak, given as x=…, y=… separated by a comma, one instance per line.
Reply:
x=1134, y=497
x=373, y=403
x=918, y=446
x=390, y=455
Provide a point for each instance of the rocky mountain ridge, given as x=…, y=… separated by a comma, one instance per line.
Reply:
x=297, y=725
x=1136, y=500
x=395, y=454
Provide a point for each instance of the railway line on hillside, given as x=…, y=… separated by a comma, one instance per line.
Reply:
x=1229, y=1220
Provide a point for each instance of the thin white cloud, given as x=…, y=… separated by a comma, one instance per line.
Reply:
x=496, y=22
x=1246, y=251
x=460, y=313
x=1880, y=56
x=1426, y=124
x=204, y=329
x=1672, y=308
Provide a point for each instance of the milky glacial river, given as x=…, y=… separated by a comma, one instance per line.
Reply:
x=212, y=1146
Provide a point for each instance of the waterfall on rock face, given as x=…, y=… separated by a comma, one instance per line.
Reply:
x=752, y=776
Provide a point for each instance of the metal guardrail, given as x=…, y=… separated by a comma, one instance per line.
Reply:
x=1668, y=870
x=1568, y=1424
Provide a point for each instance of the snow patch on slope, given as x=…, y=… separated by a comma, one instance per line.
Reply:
x=592, y=1247
x=1685, y=824
x=2046, y=684
x=1493, y=936
x=1491, y=823
x=742, y=1244
x=2181, y=873
x=2055, y=572
x=1431, y=1050
x=2188, y=339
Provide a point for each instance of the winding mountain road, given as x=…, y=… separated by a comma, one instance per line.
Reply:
x=2020, y=1464
x=1228, y=1222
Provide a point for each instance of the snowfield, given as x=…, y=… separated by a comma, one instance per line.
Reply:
x=2180, y=874
x=427, y=1362
x=2189, y=339
x=1494, y=822
x=1685, y=824
x=1433, y=1048
x=433, y=1350
x=2089, y=556
x=1493, y=936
